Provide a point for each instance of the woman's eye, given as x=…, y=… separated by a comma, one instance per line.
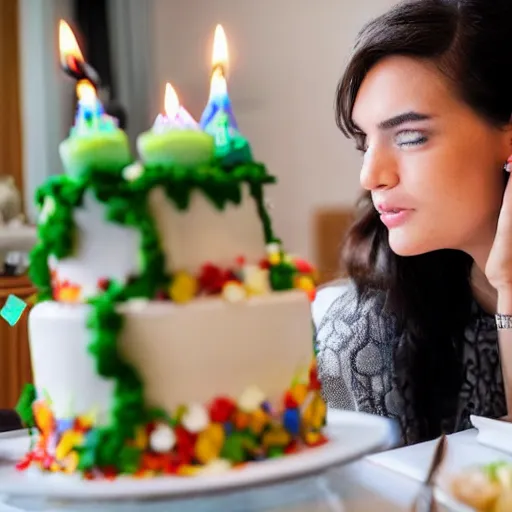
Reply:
x=361, y=143
x=409, y=138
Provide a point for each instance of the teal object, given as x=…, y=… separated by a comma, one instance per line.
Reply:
x=13, y=309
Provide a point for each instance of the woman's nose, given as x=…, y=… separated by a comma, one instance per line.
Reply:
x=380, y=170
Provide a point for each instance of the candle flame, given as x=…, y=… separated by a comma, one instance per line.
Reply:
x=218, y=85
x=85, y=92
x=220, y=49
x=68, y=46
x=171, y=101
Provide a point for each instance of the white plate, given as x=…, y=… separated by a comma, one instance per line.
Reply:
x=352, y=436
x=496, y=434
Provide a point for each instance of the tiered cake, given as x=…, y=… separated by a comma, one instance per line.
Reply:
x=173, y=333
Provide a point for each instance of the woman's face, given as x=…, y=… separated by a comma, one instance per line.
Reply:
x=433, y=166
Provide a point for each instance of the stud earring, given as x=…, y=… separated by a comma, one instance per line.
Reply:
x=508, y=165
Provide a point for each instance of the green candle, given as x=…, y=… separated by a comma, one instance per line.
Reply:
x=95, y=139
x=175, y=137
x=230, y=146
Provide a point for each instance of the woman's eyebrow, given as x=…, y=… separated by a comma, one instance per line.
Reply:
x=400, y=119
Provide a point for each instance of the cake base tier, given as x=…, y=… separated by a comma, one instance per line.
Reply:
x=185, y=354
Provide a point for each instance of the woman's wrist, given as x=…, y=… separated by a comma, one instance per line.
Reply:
x=504, y=305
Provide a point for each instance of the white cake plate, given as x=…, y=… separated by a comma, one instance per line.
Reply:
x=352, y=436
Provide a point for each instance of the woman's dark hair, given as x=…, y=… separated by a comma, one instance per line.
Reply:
x=471, y=43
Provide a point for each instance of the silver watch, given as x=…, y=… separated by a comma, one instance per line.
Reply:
x=503, y=321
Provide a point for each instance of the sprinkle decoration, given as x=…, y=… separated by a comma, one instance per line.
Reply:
x=196, y=439
x=12, y=309
x=236, y=283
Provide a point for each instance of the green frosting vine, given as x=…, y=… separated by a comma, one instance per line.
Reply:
x=126, y=200
x=257, y=194
x=106, y=447
x=24, y=405
x=57, y=198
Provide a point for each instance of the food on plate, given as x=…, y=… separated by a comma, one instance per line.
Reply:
x=485, y=488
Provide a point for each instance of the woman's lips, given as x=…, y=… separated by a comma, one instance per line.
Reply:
x=393, y=216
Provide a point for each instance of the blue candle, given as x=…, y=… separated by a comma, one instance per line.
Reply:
x=218, y=101
x=218, y=119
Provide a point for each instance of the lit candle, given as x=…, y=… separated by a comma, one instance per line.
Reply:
x=71, y=58
x=218, y=119
x=175, y=137
x=95, y=141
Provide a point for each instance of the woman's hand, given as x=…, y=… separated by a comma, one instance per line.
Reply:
x=498, y=269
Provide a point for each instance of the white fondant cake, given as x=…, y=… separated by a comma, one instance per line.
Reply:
x=214, y=336
x=203, y=233
x=184, y=353
x=200, y=234
x=102, y=249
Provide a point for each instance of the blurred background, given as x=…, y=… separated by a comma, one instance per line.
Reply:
x=285, y=56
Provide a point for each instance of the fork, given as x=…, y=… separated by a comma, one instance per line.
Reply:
x=425, y=501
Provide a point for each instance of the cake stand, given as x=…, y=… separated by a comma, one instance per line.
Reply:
x=351, y=435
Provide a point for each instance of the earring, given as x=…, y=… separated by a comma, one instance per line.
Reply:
x=508, y=165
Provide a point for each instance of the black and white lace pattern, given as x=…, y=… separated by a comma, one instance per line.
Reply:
x=356, y=342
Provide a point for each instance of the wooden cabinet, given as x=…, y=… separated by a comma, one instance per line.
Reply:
x=15, y=365
x=330, y=228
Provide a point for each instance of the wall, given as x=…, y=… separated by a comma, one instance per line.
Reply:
x=129, y=25
x=46, y=94
x=286, y=58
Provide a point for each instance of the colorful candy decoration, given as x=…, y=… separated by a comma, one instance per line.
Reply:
x=64, y=290
x=133, y=171
x=183, y=288
x=279, y=271
x=12, y=309
x=195, y=440
x=234, y=291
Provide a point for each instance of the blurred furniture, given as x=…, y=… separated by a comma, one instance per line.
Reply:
x=16, y=239
x=15, y=366
x=10, y=128
x=14, y=354
x=330, y=228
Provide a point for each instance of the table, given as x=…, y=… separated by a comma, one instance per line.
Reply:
x=15, y=366
x=384, y=482
x=362, y=486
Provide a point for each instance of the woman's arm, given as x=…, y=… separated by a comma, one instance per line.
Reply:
x=504, y=307
x=356, y=340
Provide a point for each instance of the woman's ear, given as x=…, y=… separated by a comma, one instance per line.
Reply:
x=507, y=142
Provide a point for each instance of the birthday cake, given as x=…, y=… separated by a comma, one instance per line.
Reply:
x=173, y=332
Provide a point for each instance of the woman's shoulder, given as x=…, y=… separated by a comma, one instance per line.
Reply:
x=342, y=308
x=355, y=343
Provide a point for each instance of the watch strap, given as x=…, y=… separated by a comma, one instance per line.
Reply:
x=503, y=321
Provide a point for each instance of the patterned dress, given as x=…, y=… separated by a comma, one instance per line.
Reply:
x=356, y=342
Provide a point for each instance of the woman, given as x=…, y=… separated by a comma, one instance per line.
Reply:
x=427, y=96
